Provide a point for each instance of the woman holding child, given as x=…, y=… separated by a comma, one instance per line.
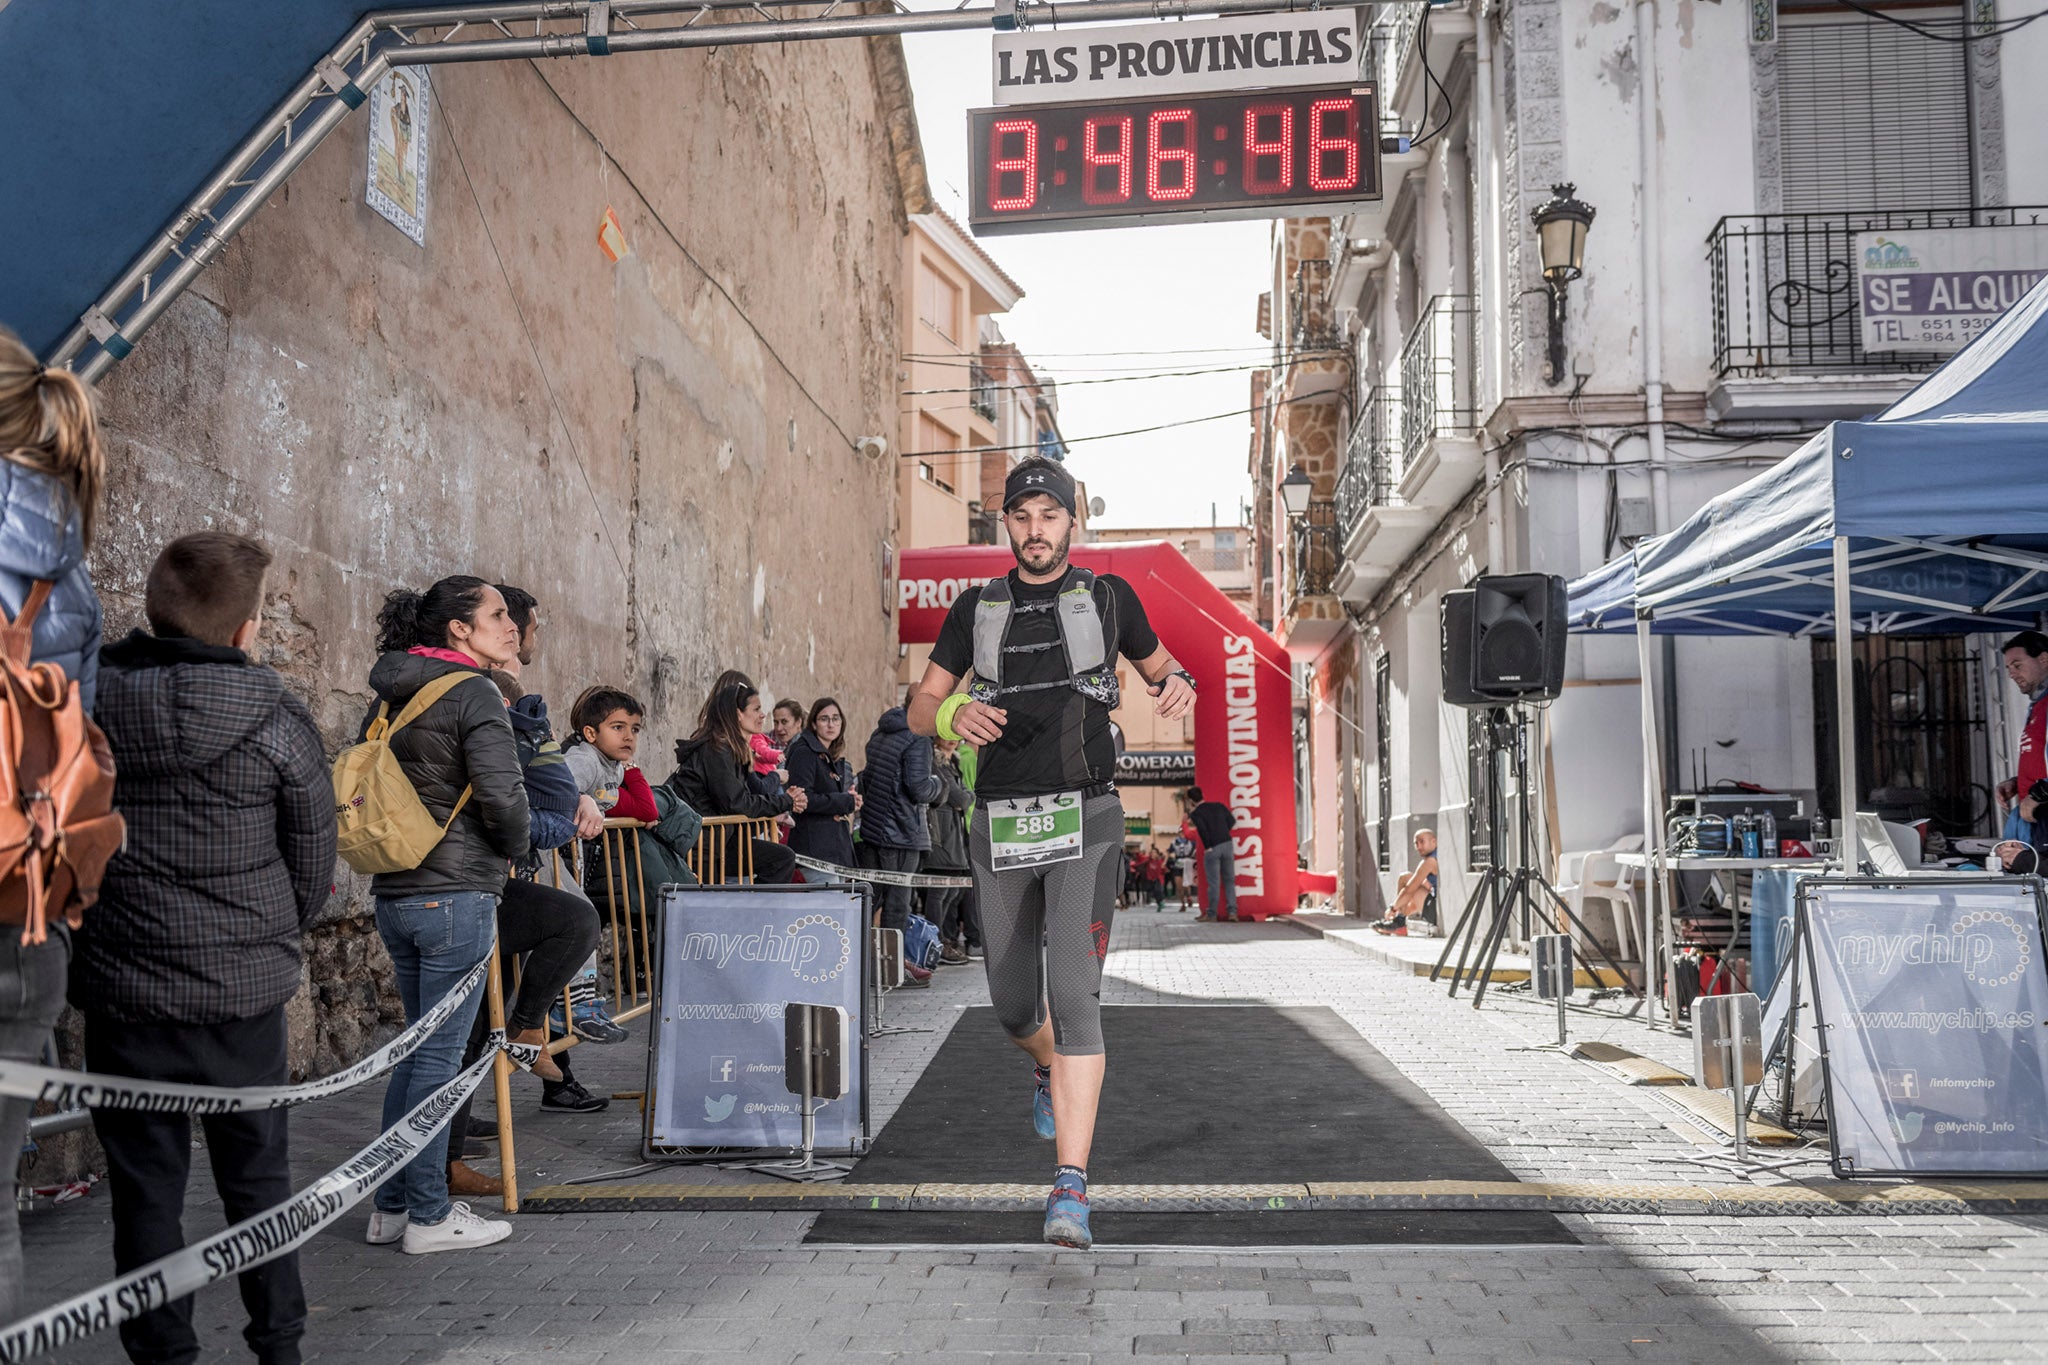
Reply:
x=711, y=774
x=438, y=920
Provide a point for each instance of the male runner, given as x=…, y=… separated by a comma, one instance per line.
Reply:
x=1042, y=643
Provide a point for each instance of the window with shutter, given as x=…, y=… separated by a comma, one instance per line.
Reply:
x=1871, y=115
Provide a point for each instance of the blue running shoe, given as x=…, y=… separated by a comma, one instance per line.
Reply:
x=1041, y=1104
x=1066, y=1214
x=589, y=1022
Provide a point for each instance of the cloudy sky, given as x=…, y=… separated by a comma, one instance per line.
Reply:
x=1109, y=304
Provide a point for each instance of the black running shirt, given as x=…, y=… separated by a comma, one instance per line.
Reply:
x=1055, y=739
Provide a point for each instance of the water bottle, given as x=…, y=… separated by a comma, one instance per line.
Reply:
x=1745, y=829
x=1768, y=822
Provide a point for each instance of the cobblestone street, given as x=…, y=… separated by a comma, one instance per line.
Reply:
x=675, y=1287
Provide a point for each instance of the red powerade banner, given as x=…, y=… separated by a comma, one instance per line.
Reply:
x=1244, y=714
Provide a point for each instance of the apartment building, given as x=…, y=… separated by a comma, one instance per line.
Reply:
x=1162, y=753
x=1453, y=410
x=972, y=404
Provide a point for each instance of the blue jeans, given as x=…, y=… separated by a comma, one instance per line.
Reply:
x=434, y=941
x=1219, y=864
x=31, y=997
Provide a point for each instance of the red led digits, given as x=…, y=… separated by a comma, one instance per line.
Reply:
x=1279, y=149
x=1343, y=143
x=1025, y=164
x=1159, y=155
x=1095, y=159
x=1113, y=162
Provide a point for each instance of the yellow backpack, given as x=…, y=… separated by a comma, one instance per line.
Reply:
x=383, y=826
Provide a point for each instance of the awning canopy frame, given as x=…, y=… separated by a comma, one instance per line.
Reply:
x=107, y=330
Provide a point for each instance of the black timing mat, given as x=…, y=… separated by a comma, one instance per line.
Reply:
x=1196, y=1095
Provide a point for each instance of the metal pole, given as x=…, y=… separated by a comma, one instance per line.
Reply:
x=138, y=299
x=1737, y=1084
x=1568, y=968
x=1845, y=708
x=1653, y=863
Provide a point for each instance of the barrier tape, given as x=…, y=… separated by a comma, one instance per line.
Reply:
x=249, y=1243
x=880, y=877
x=80, y=1090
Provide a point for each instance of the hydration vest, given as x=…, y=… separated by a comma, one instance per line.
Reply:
x=1081, y=612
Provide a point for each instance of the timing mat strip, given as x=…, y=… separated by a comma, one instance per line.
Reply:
x=1809, y=1199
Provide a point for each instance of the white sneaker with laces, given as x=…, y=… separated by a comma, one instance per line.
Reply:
x=385, y=1228
x=459, y=1231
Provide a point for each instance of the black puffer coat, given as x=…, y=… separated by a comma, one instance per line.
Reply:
x=897, y=784
x=714, y=782
x=230, y=810
x=462, y=740
x=821, y=830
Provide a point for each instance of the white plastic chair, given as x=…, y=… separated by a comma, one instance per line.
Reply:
x=1605, y=883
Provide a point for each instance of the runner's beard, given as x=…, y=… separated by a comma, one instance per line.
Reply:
x=1057, y=559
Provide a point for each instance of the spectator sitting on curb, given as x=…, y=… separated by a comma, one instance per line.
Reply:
x=186, y=963
x=1417, y=886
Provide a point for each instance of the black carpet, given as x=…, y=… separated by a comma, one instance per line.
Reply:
x=1195, y=1095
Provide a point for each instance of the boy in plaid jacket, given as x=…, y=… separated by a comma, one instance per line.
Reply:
x=185, y=964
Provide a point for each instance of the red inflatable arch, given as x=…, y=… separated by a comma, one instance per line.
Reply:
x=1243, y=711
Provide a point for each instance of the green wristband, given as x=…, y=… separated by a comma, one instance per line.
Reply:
x=946, y=711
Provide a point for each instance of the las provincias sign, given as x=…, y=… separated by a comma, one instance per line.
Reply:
x=1247, y=52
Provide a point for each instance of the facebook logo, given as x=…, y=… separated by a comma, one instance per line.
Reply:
x=724, y=1069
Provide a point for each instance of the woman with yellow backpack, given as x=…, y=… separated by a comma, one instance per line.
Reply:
x=433, y=804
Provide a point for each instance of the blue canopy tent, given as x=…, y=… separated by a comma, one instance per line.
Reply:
x=1931, y=517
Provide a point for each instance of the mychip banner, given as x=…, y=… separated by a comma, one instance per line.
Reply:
x=1932, y=1000
x=731, y=958
x=1938, y=289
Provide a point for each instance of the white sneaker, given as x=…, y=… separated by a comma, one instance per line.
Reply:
x=385, y=1228
x=459, y=1231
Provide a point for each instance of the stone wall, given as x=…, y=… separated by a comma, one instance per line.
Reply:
x=672, y=474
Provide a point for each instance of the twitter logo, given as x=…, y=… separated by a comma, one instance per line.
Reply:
x=1905, y=1129
x=720, y=1109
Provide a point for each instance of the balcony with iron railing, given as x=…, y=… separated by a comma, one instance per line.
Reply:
x=982, y=390
x=1313, y=361
x=1372, y=460
x=1381, y=523
x=1438, y=389
x=1312, y=323
x=1312, y=554
x=1784, y=289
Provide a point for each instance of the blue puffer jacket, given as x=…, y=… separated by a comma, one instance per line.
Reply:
x=41, y=537
x=897, y=785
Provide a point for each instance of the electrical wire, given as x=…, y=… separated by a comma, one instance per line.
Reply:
x=695, y=264
x=1450, y=108
x=1076, y=383
x=1995, y=30
x=1109, y=435
x=1187, y=350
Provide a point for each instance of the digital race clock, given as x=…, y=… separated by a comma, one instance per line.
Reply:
x=1255, y=154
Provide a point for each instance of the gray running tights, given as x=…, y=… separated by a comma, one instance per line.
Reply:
x=1066, y=909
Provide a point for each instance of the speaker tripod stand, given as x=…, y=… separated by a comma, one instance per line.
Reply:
x=1508, y=889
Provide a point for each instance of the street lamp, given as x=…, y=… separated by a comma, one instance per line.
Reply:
x=1561, y=225
x=1295, y=490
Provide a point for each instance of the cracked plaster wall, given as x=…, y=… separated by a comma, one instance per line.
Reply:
x=371, y=409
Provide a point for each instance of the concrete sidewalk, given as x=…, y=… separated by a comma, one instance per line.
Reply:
x=660, y=1287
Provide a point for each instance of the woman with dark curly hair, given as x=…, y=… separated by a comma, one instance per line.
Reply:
x=439, y=919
